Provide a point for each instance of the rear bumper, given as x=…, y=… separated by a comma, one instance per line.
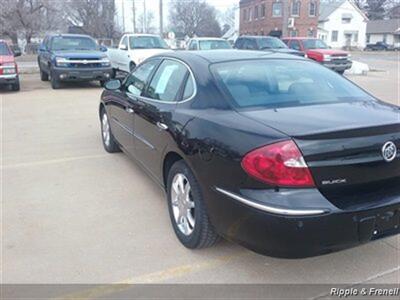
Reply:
x=305, y=224
x=82, y=74
x=9, y=79
x=338, y=66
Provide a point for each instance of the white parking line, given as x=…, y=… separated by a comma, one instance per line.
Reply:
x=52, y=161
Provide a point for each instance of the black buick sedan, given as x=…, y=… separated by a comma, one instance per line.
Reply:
x=272, y=151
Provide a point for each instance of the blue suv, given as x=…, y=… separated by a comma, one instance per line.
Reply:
x=72, y=57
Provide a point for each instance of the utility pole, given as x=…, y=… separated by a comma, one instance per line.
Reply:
x=123, y=15
x=133, y=16
x=144, y=17
x=161, y=18
x=285, y=17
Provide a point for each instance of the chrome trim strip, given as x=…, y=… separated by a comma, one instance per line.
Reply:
x=144, y=141
x=124, y=127
x=271, y=209
x=84, y=62
x=8, y=76
x=140, y=138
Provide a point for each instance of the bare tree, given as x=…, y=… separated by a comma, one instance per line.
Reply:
x=29, y=18
x=376, y=9
x=149, y=27
x=194, y=17
x=95, y=17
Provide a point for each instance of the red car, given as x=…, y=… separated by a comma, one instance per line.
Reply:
x=8, y=67
x=317, y=50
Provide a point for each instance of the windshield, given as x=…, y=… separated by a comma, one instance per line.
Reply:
x=214, y=44
x=147, y=42
x=4, y=49
x=280, y=83
x=270, y=43
x=314, y=44
x=72, y=43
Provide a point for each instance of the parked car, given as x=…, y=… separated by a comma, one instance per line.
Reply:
x=378, y=46
x=317, y=50
x=74, y=58
x=264, y=43
x=8, y=67
x=133, y=49
x=16, y=50
x=272, y=151
x=207, y=43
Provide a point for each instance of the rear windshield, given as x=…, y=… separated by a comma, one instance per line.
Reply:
x=214, y=44
x=72, y=43
x=314, y=44
x=280, y=83
x=147, y=42
x=4, y=49
x=270, y=43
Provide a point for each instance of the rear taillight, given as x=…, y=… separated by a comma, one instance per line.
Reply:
x=279, y=164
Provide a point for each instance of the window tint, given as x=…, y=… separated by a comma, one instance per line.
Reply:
x=147, y=42
x=193, y=45
x=189, y=88
x=214, y=44
x=250, y=44
x=295, y=45
x=239, y=43
x=125, y=41
x=167, y=81
x=73, y=43
x=279, y=83
x=136, y=82
x=4, y=49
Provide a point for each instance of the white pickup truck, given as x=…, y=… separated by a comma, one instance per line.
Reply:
x=133, y=49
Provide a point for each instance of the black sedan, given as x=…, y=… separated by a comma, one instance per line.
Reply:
x=272, y=151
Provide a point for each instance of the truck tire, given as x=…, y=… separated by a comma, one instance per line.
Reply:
x=16, y=86
x=132, y=67
x=55, y=83
x=44, y=76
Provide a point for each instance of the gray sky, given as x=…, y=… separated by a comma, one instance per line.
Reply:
x=153, y=6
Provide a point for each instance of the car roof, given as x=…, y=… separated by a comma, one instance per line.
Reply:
x=299, y=38
x=222, y=55
x=69, y=35
x=208, y=39
x=257, y=36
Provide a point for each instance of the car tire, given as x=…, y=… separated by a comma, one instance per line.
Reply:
x=44, y=76
x=55, y=83
x=197, y=231
x=109, y=142
x=16, y=86
x=341, y=72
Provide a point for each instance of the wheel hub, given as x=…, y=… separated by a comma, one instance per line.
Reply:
x=182, y=204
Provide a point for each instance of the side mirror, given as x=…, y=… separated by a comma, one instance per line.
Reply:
x=103, y=49
x=42, y=48
x=17, y=52
x=112, y=85
x=123, y=47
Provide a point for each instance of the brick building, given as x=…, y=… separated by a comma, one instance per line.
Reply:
x=266, y=17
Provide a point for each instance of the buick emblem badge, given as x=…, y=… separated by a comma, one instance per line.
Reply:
x=389, y=151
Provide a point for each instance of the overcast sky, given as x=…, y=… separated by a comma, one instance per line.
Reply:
x=153, y=6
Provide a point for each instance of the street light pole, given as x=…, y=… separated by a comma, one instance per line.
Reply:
x=161, y=18
x=285, y=18
x=133, y=16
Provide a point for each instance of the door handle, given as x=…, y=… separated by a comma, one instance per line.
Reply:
x=129, y=110
x=162, y=126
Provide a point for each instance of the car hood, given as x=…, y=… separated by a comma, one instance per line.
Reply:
x=328, y=51
x=315, y=119
x=6, y=59
x=288, y=51
x=82, y=54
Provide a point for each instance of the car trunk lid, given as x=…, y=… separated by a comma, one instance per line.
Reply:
x=343, y=147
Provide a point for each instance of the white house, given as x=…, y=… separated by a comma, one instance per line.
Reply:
x=342, y=24
x=387, y=31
